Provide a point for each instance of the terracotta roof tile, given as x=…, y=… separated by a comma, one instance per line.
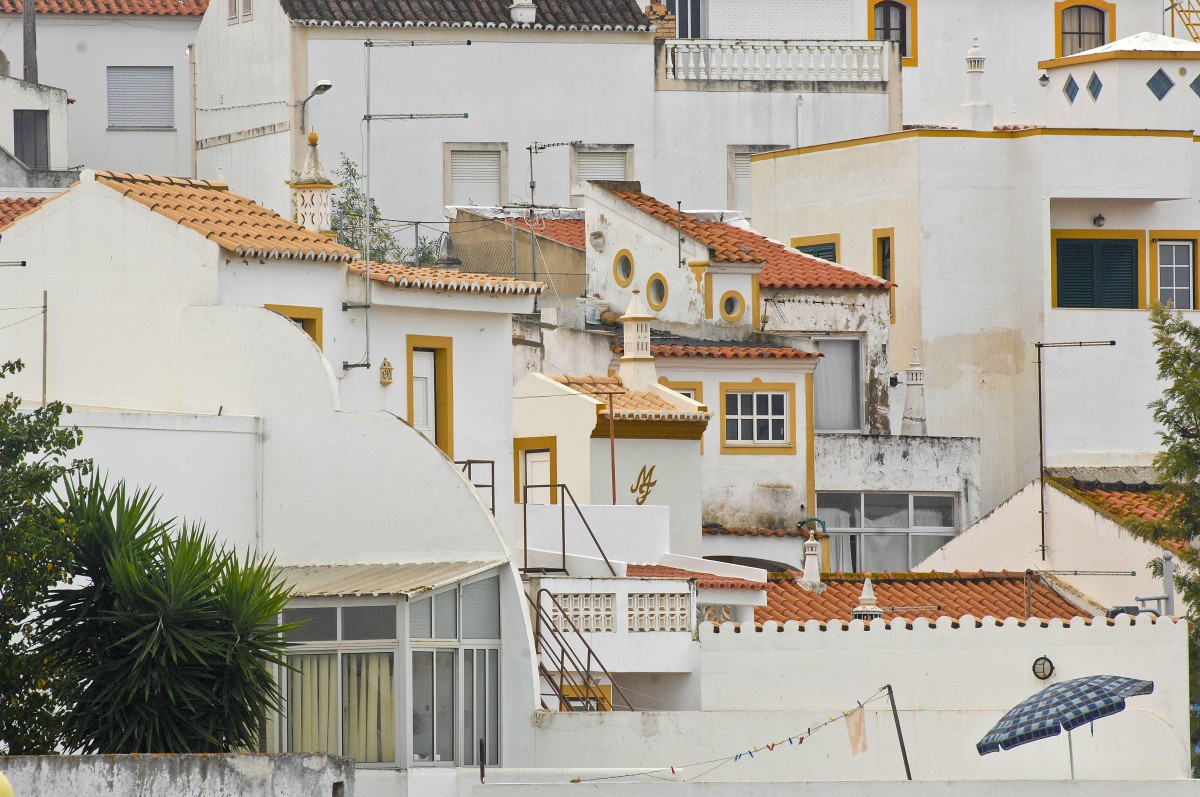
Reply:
x=669, y=344
x=572, y=232
x=156, y=8
x=703, y=580
x=737, y=531
x=234, y=222
x=627, y=404
x=444, y=279
x=1131, y=504
x=981, y=594
x=782, y=267
x=551, y=14
x=13, y=208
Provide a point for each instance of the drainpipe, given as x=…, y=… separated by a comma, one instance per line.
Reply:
x=799, y=106
x=191, y=54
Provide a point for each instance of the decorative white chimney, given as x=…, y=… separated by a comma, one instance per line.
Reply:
x=913, y=423
x=313, y=193
x=811, y=580
x=978, y=113
x=637, y=363
x=523, y=12
x=868, y=608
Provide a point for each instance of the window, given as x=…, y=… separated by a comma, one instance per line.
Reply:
x=1083, y=28
x=31, y=138
x=456, y=631
x=883, y=265
x=758, y=417
x=837, y=385
x=141, y=98
x=733, y=306
x=1176, y=274
x=431, y=389
x=874, y=532
x=891, y=20
x=308, y=319
x=600, y=162
x=623, y=268
x=1101, y=272
x=535, y=461
x=826, y=247
x=689, y=18
x=739, y=195
x=476, y=174
x=656, y=292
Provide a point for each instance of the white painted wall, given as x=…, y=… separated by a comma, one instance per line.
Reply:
x=639, y=534
x=17, y=94
x=75, y=51
x=789, y=19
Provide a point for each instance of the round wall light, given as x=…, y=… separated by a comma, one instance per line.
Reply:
x=1043, y=668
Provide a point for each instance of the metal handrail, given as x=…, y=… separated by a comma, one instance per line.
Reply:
x=567, y=655
x=468, y=469
x=563, y=514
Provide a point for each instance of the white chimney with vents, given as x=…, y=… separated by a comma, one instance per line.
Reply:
x=978, y=113
x=313, y=191
x=811, y=580
x=913, y=423
x=523, y=12
x=868, y=607
x=637, y=363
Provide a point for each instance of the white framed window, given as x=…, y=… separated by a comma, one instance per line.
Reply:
x=689, y=18
x=239, y=10
x=837, y=384
x=475, y=174
x=141, y=98
x=738, y=171
x=1176, y=274
x=872, y=532
x=1084, y=27
x=757, y=417
x=601, y=162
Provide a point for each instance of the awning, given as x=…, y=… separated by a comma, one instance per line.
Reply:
x=408, y=578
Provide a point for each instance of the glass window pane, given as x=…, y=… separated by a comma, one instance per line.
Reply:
x=470, y=735
x=777, y=404
x=731, y=403
x=445, y=615
x=731, y=430
x=882, y=552
x=1166, y=278
x=444, y=706
x=762, y=429
x=369, y=707
x=925, y=545
x=422, y=708
x=747, y=403
x=885, y=511
x=777, y=432
x=420, y=618
x=933, y=510
x=368, y=622
x=747, y=430
x=761, y=403
x=316, y=624
x=481, y=609
x=840, y=510
x=493, y=707
x=312, y=705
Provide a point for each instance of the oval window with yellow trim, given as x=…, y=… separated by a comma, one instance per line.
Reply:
x=656, y=291
x=733, y=306
x=623, y=268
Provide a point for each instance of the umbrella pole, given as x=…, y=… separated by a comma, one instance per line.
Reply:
x=1071, y=754
x=899, y=733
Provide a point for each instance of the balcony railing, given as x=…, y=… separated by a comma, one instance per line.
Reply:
x=759, y=60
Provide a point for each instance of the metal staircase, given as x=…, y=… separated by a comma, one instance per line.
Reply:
x=1185, y=14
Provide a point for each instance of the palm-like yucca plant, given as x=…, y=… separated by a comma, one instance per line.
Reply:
x=169, y=635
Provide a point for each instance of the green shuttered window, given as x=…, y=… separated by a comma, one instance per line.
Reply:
x=1097, y=273
x=824, y=251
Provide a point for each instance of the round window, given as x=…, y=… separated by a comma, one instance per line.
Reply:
x=656, y=292
x=732, y=306
x=623, y=268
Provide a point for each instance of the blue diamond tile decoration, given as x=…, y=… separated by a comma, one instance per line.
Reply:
x=1160, y=84
x=1094, y=86
x=1195, y=85
x=1071, y=88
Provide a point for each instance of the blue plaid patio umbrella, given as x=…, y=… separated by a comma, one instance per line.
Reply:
x=1062, y=707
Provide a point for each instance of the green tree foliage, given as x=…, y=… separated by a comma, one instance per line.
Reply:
x=385, y=244
x=169, y=636
x=36, y=555
x=1177, y=412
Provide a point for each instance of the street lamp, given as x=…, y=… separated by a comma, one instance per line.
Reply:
x=321, y=87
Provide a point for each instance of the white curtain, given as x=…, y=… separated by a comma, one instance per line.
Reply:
x=370, y=726
x=836, y=386
x=312, y=725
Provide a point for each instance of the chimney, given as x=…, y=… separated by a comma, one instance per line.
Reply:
x=868, y=608
x=313, y=193
x=523, y=12
x=811, y=580
x=662, y=19
x=913, y=423
x=978, y=112
x=637, y=363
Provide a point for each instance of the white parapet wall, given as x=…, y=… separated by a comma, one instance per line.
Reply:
x=310, y=775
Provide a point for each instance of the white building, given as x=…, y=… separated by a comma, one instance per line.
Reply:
x=33, y=149
x=126, y=68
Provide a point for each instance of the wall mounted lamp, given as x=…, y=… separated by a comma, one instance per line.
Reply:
x=1099, y=220
x=1043, y=668
x=1044, y=80
x=321, y=87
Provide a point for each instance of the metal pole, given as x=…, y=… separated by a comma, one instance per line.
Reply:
x=1071, y=754
x=1028, y=594
x=612, y=448
x=1041, y=453
x=899, y=733
x=45, y=326
x=1168, y=575
x=482, y=757
x=417, y=243
x=29, y=52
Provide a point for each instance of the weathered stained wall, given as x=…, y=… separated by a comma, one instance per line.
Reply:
x=307, y=775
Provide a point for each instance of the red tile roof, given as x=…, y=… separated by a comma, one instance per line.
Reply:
x=13, y=208
x=627, y=404
x=929, y=595
x=753, y=532
x=597, y=15
x=234, y=222
x=734, y=352
x=571, y=232
x=782, y=267
x=444, y=279
x=703, y=580
x=1131, y=504
x=155, y=8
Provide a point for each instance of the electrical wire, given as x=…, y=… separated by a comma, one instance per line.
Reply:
x=22, y=321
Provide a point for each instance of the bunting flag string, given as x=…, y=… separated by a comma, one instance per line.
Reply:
x=795, y=739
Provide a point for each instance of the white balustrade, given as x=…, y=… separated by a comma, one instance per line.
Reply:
x=591, y=612
x=813, y=61
x=659, y=611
